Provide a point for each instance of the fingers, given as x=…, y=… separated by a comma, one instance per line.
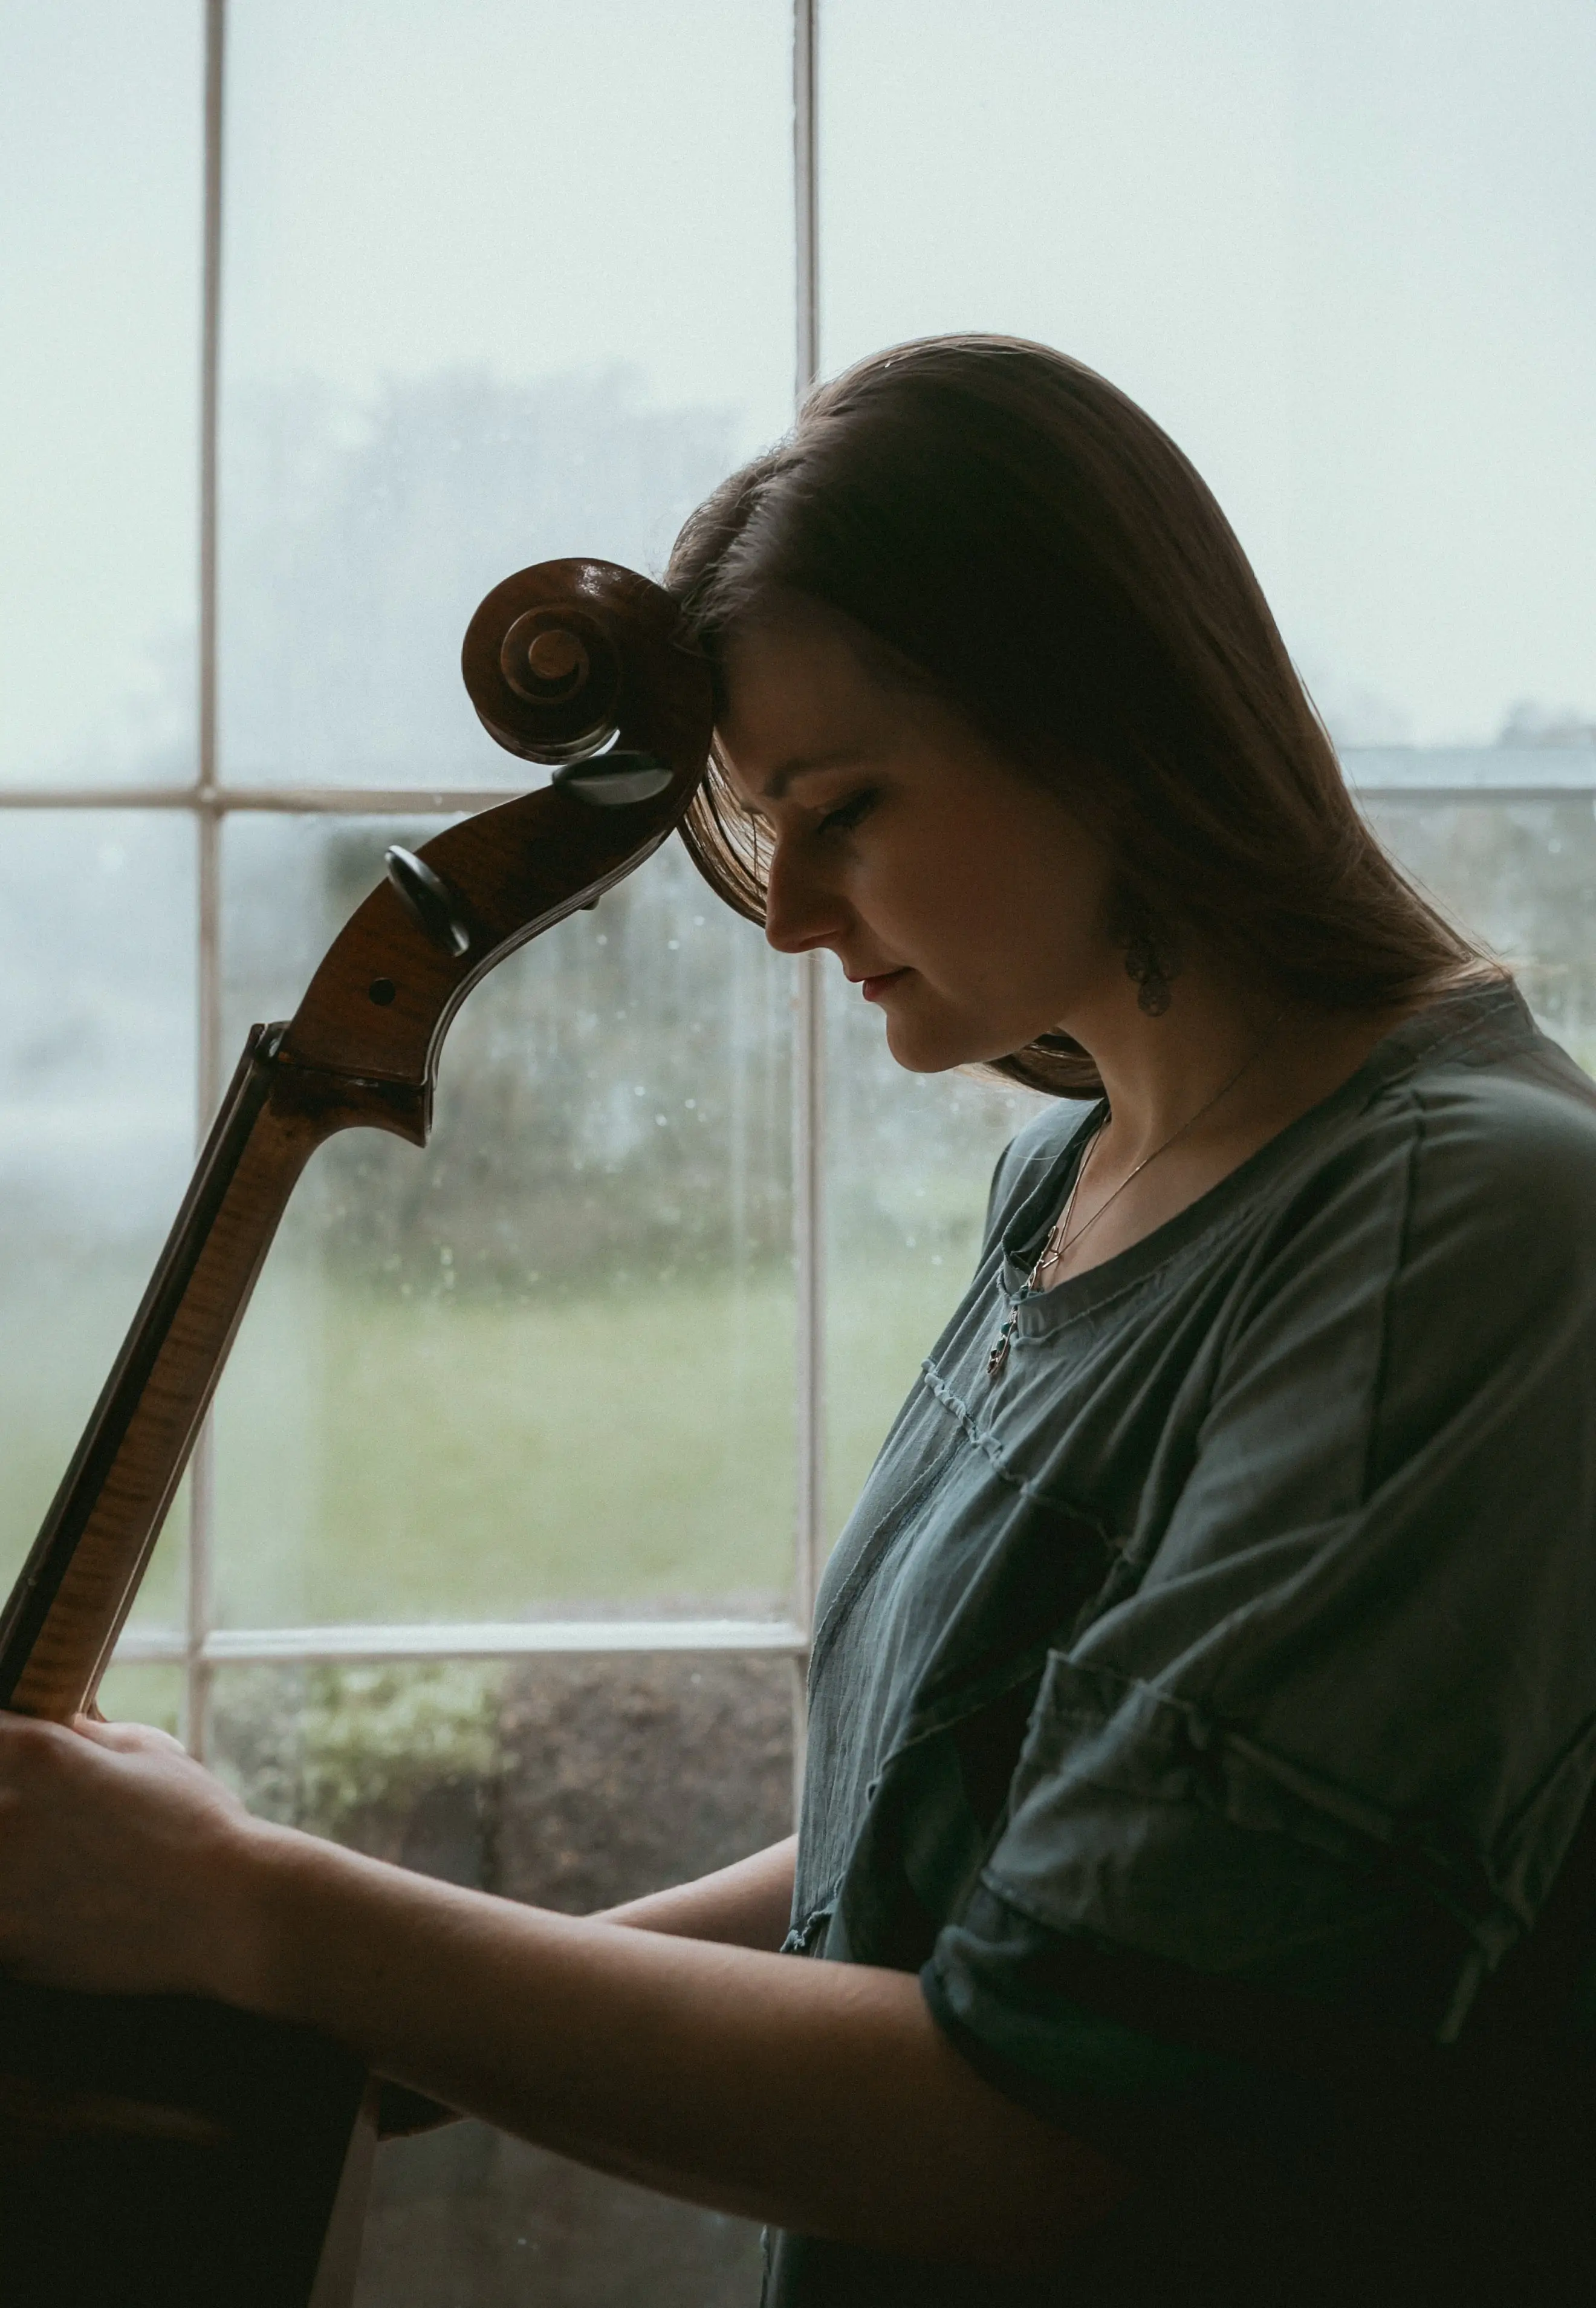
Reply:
x=26, y=1741
x=116, y=1854
x=127, y=1738
x=32, y=1734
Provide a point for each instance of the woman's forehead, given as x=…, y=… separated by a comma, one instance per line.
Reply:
x=794, y=693
x=802, y=653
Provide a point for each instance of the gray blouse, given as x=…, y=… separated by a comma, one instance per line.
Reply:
x=1244, y=1623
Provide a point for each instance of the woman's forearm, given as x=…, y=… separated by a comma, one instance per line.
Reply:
x=745, y=1905
x=819, y=2096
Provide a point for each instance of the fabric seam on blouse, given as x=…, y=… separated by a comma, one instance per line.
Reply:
x=872, y=1556
x=993, y=1451
x=1414, y=1102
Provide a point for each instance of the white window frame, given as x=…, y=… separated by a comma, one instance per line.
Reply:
x=199, y=1646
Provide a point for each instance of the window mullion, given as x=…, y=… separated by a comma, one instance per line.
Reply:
x=809, y=1082
x=201, y=1518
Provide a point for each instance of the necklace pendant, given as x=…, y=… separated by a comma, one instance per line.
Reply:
x=999, y=1353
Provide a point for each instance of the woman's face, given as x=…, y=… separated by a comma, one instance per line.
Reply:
x=963, y=899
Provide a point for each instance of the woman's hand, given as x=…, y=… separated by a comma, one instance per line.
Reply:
x=118, y=1856
x=820, y=2095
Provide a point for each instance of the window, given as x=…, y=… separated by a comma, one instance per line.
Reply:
x=320, y=320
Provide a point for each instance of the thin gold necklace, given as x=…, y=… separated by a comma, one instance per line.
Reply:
x=1057, y=1234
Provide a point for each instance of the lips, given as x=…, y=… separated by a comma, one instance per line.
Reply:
x=873, y=987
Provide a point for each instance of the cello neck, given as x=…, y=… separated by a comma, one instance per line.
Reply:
x=78, y=1584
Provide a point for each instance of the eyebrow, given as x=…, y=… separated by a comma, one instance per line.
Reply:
x=805, y=765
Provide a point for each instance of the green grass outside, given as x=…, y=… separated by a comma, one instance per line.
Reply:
x=386, y=1459
x=383, y=1459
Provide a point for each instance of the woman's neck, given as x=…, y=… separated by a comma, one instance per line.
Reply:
x=1192, y=1094
x=1157, y=1071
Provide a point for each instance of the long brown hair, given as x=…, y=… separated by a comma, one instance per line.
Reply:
x=1003, y=524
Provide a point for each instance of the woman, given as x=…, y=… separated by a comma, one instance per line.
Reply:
x=1203, y=1691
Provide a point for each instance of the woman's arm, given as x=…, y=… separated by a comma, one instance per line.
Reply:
x=746, y=1905
x=818, y=2096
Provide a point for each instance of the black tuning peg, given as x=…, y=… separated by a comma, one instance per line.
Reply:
x=438, y=909
x=612, y=780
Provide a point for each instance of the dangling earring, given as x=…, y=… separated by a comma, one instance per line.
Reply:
x=1151, y=967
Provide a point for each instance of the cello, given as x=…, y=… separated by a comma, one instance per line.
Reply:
x=159, y=2150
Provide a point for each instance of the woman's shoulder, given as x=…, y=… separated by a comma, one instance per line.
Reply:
x=1498, y=1111
x=1460, y=1163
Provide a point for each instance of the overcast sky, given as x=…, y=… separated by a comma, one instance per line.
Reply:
x=1346, y=253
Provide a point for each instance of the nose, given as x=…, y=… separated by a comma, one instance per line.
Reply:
x=800, y=912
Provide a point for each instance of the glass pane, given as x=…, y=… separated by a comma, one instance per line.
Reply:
x=100, y=205
x=569, y=1782
x=573, y=1783
x=1521, y=875
x=143, y=1695
x=1343, y=253
x=910, y=1162
x=546, y=1367
x=97, y=1120
x=531, y=295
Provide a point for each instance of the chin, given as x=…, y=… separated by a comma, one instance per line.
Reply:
x=920, y=1049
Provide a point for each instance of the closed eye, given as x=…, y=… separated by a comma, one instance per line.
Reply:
x=849, y=813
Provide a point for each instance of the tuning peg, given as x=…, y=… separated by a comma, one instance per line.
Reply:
x=612, y=780
x=433, y=904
